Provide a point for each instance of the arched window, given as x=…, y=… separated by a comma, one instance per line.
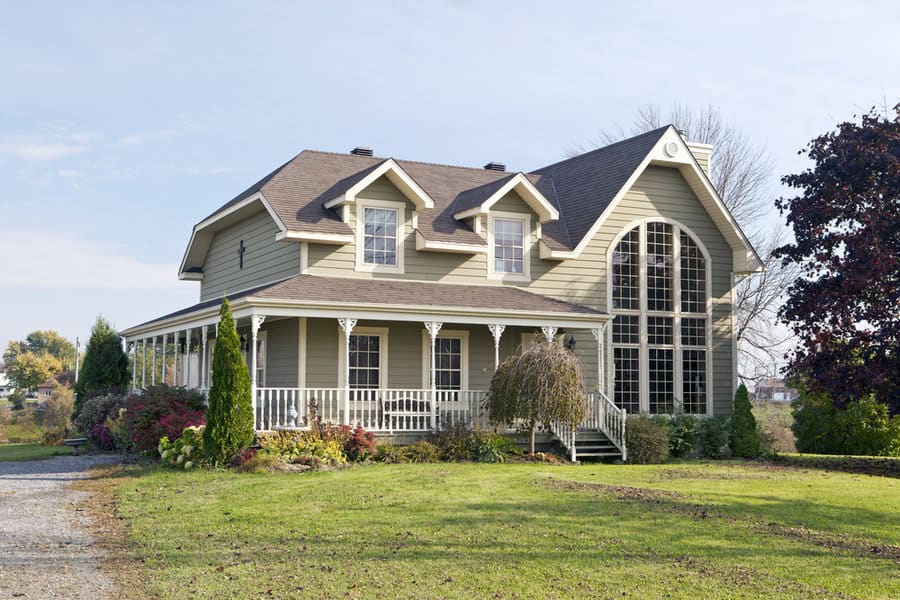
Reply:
x=660, y=333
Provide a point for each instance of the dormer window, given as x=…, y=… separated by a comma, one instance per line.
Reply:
x=508, y=238
x=380, y=236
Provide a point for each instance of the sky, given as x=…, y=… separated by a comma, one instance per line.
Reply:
x=122, y=124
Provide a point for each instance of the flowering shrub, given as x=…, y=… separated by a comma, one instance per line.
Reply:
x=160, y=412
x=360, y=445
x=303, y=447
x=102, y=437
x=185, y=452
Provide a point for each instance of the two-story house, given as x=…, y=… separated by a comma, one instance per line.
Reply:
x=385, y=292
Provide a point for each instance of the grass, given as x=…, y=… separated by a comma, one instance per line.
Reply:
x=516, y=531
x=11, y=452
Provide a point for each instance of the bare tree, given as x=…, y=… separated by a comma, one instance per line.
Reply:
x=742, y=173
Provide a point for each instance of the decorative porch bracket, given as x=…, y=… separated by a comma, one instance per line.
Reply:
x=347, y=325
x=496, y=331
x=549, y=332
x=255, y=322
x=433, y=328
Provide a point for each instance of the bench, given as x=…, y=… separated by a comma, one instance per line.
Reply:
x=75, y=444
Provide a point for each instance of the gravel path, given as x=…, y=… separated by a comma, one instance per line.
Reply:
x=44, y=550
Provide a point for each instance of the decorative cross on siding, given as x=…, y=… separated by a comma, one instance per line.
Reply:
x=241, y=251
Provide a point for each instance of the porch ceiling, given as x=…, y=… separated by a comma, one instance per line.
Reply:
x=314, y=296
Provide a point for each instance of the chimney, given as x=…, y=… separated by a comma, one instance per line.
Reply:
x=703, y=154
x=495, y=166
x=361, y=151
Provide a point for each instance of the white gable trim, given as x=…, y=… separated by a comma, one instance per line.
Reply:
x=202, y=234
x=530, y=194
x=398, y=177
x=315, y=238
x=671, y=150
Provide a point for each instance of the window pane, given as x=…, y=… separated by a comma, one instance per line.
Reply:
x=627, y=379
x=693, y=332
x=694, y=381
x=380, y=236
x=659, y=266
x=364, y=361
x=509, y=246
x=693, y=276
x=626, y=272
x=448, y=363
x=661, y=371
x=626, y=329
x=659, y=331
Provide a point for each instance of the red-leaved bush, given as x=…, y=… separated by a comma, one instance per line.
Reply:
x=161, y=411
x=101, y=437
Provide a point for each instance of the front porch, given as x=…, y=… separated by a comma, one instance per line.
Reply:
x=390, y=369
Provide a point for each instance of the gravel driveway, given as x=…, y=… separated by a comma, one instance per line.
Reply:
x=44, y=550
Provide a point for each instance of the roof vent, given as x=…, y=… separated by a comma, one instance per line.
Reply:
x=495, y=166
x=361, y=151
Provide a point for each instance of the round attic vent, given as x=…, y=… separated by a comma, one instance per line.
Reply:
x=671, y=149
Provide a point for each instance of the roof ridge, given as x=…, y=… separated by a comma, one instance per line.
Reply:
x=417, y=162
x=657, y=131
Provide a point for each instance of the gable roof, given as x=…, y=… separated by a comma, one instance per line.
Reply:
x=571, y=197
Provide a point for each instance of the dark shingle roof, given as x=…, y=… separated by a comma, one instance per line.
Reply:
x=381, y=292
x=579, y=187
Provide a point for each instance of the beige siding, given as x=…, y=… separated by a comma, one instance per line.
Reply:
x=282, y=346
x=321, y=353
x=265, y=259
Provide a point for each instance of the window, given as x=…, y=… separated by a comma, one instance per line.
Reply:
x=451, y=360
x=509, y=246
x=365, y=361
x=380, y=236
x=659, y=332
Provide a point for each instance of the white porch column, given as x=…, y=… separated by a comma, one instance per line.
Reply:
x=164, y=340
x=153, y=375
x=204, y=366
x=134, y=365
x=433, y=328
x=496, y=331
x=177, y=339
x=187, y=358
x=144, y=363
x=255, y=322
x=549, y=333
x=347, y=325
x=598, y=336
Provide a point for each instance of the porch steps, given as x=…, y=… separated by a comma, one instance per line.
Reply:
x=594, y=445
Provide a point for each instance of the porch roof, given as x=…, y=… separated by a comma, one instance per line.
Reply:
x=315, y=295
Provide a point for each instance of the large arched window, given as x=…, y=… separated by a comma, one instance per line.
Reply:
x=660, y=333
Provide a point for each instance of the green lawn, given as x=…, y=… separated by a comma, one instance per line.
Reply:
x=517, y=531
x=31, y=451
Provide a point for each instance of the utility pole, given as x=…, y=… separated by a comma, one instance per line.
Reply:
x=77, y=349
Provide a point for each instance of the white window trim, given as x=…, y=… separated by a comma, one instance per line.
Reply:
x=463, y=335
x=644, y=373
x=383, y=333
x=361, y=207
x=527, y=240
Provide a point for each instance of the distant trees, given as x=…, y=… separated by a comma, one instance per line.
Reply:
x=229, y=418
x=105, y=367
x=41, y=355
x=542, y=384
x=845, y=305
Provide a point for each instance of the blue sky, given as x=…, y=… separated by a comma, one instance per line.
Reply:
x=124, y=123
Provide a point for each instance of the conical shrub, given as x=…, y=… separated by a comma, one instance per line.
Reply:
x=744, y=439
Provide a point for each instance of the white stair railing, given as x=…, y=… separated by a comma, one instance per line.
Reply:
x=604, y=416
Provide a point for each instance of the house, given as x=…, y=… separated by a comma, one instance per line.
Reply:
x=45, y=390
x=774, y=389
x=7, y=387
x=384, y=292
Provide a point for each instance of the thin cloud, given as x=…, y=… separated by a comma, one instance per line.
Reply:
x=69, y=173
x=144, y=137
x=37, y=151
x=68, y=262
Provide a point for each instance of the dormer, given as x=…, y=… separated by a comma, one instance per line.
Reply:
x=390, y=169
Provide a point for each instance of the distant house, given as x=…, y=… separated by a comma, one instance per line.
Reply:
x=45, y=390
x=385, y=292
x=6, y=386
x=774, y=389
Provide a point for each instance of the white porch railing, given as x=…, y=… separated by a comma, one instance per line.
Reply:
x=604, y=416
x=383, y=411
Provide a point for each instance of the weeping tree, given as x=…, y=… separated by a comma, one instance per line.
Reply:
x=541, y=384
x=229, y=418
